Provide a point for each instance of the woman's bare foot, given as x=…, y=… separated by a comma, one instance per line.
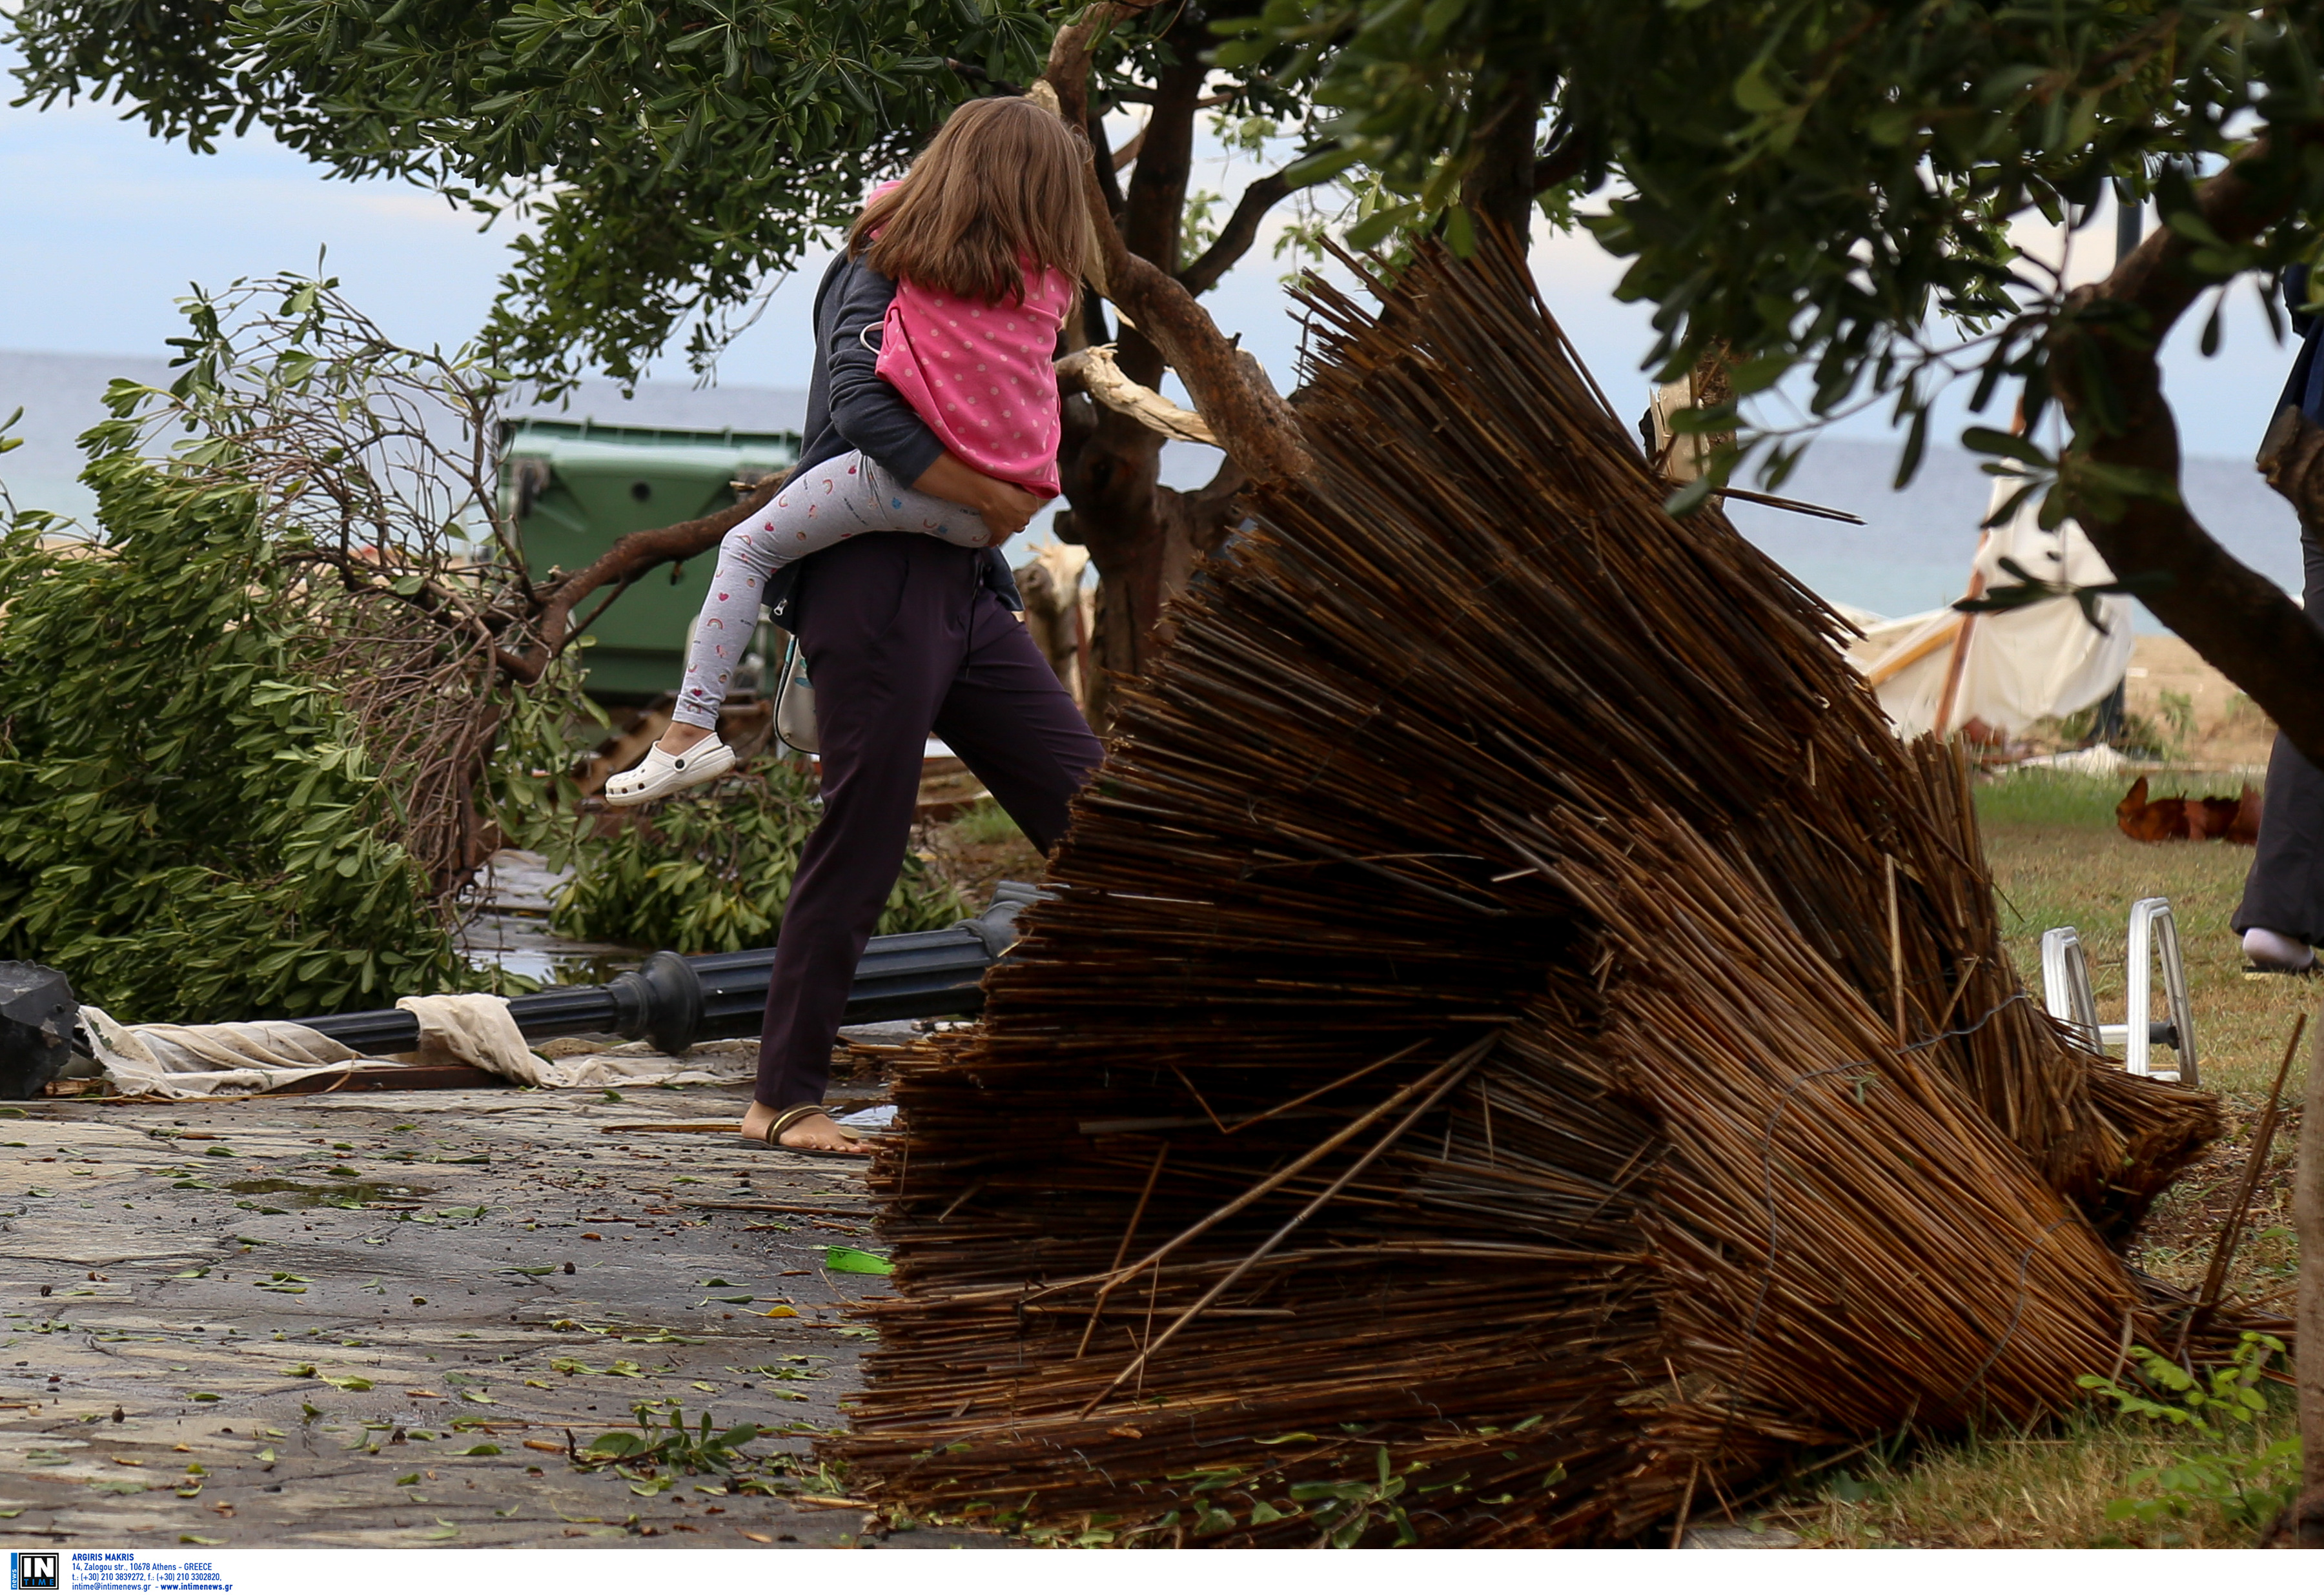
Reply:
x=812, y=1132
x=680, y=736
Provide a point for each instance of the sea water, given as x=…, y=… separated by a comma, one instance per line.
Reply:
x=1914, y=551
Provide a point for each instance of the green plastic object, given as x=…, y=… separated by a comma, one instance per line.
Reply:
x=847, y=1259
x=576, y=486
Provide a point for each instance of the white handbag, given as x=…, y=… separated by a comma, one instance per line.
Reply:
x=795, y=703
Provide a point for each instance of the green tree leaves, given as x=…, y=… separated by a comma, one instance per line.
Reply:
x=1817, y=185
x=187, y=819
x=708, y=871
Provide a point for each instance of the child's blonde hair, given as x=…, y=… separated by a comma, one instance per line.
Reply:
x=996, y=194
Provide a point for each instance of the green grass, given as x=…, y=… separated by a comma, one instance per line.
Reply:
x=2049, y=797
x=2049, y=1488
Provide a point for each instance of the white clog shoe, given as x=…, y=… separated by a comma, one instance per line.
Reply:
x=660, y=774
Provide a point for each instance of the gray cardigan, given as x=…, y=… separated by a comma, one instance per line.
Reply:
x=851, y=407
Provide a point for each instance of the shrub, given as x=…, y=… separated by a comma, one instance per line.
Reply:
x=189, y=823
x=2226, y=1473
x=707, y=871
x=253, y=733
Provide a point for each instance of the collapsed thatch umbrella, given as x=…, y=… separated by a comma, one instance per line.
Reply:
x=1519, y=1045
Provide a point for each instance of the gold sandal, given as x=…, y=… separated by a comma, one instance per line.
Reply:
x=790, y=1116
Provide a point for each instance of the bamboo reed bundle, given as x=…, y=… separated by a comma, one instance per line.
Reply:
x=1470, y=1088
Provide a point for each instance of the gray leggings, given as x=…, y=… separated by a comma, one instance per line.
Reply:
x=822, y=505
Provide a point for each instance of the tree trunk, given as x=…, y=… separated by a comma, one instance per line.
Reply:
x=2307, y=1526
x=1150, y=563
x=1143, y=538
x=2103, y=368
x=1500, y=185
x=1111, y=471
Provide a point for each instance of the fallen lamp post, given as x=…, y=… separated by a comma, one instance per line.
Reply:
x=676, y=1001
x=671, y=1000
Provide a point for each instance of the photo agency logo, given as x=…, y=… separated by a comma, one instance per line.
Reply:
x=35, y=1569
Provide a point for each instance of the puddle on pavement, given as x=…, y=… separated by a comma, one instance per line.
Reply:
x=525, y=946
x=303, y=1193
x=506, y=925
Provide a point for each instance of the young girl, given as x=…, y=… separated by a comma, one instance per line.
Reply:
x=981, y=244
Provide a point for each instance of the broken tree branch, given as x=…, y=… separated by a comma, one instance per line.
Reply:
x=1565, y=160
x=1092, y=371
x=630, y=558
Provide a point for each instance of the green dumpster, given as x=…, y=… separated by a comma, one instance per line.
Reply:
x=575, y=486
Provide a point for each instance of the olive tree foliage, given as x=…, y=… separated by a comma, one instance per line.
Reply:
x=663, y=159
x=255, y=730
x=1824, y=192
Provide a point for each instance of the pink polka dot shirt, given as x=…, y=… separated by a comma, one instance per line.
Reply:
x=979, y=375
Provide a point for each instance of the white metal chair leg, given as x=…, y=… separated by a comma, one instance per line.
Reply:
x=2138, y=972
x=2153, y=934
x=2066, y=985
x=2153, y=937
x=2175, y=997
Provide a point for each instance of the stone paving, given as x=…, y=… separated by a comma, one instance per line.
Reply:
x=382, y=1320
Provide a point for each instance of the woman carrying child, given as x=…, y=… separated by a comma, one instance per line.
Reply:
x=932, y=432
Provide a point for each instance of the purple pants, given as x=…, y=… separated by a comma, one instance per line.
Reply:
x=901, y=640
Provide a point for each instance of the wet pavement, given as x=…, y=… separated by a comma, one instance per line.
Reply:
x=390, y=1319
x=506, y=917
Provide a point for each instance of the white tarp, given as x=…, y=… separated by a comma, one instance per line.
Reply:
x=2022, y=665
x=248, y=1058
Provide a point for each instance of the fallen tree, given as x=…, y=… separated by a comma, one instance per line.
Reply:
x=253, y=732
x=1518, y=1050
